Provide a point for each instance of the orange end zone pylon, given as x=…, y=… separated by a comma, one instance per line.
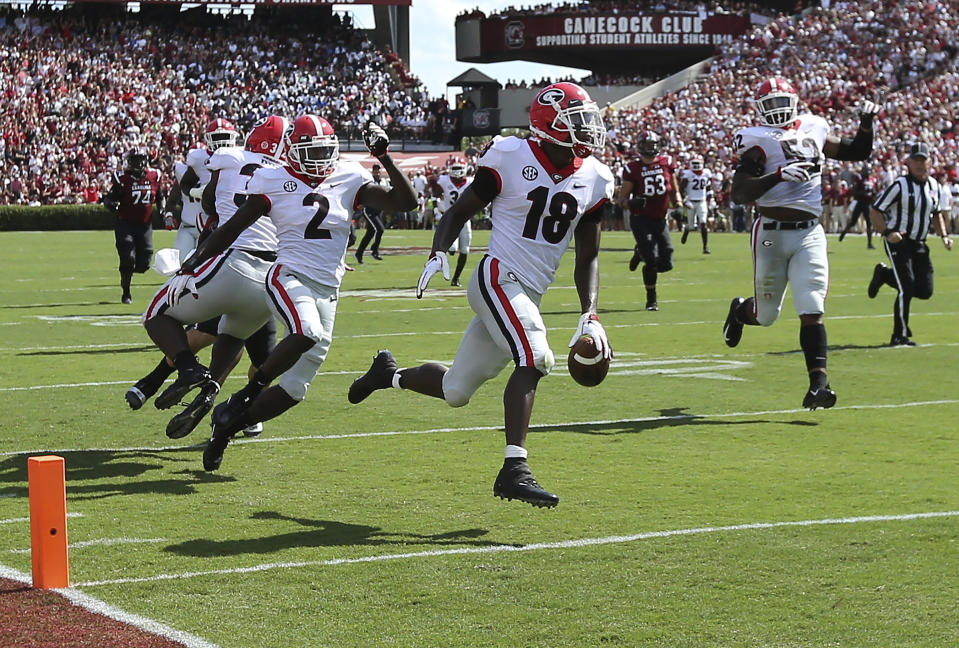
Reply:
x=48, y=521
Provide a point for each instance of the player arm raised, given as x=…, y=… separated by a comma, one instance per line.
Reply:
x=401, y=196
x=859, y=147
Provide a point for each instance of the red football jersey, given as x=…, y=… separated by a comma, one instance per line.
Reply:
x=137, y=196
x=654, y=182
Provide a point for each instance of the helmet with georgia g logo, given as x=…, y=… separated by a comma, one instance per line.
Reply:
x=564, y=114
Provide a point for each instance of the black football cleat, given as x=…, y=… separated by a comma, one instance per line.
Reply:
x=142, y=390
x=219, y=440
x=877, y=280
x=706, y=251
x=185, y=422
x=515, y=481
x=126, y=299
x=187, y=380
x=634, y=262
x=376, y=255
x=652, y=305
x=823, y=397
x=733, y=328
x=359, y=258
x=253, y=431
x=685, y=236
x=901, y=340
x=225, y=413
x=379, y=376
x=456, y=283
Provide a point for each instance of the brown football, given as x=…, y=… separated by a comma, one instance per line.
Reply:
x=586, y=363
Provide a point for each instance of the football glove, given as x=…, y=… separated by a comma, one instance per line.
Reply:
x=795, y=171
x=589, y=325
x=868, y=109
x=169, y=221
x=197, y=192
x=177, y=286
x=436, y=263
x=376, y=139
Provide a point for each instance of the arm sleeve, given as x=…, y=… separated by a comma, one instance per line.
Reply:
x=487, y=184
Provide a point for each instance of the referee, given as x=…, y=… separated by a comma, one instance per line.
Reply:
x=902, y=216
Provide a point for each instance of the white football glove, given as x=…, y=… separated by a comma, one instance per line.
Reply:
x=589, y=325
x=169, y=221
x=795, y=171
x=868, y=108
x=197, y=192
x=178, y=286
x=436, y=263
x=376, y=139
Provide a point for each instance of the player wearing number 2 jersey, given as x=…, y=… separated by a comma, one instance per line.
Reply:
x=311, y=202
x=542, y=192
x=780, y=167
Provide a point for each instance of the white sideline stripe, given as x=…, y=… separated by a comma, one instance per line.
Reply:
x=97, y=606
x=26, y=519
x=483, y=428
x=565, y=544
x=103, y=542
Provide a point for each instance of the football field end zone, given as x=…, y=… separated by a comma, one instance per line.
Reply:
x=487, y=428
x=564, y=544
x=142, y=630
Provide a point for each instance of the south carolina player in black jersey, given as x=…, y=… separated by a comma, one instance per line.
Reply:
x=131, y=198
x=780, y=166
x=310, y=201
x=541, y=191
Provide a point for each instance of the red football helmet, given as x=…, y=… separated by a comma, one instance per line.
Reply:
x=777, y=102
x=649, y=144
x=267, y=137
x=312, y=147
x=564, y=114
x=220, y=133
x=457, y=169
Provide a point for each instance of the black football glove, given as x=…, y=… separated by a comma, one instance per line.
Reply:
x=376, y=139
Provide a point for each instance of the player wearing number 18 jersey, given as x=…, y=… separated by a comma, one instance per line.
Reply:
x=542, y=193
x=311, y=201
x=780, y=167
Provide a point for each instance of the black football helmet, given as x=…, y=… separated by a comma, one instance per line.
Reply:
x=650, y=144
x=137, y=160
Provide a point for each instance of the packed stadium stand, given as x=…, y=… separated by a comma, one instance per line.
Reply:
x=81, y=85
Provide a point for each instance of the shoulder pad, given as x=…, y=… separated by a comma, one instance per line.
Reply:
x=225, y=158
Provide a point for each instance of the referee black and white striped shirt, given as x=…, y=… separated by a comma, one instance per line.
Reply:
x=909, y=206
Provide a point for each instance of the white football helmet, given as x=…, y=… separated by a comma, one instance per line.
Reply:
x=457, y=169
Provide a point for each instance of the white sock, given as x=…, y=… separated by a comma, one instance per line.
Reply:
x=396, y=379
x=516, y=452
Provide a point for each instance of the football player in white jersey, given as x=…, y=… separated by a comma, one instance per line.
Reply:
x=229, y=284
x=451, y=186
x=780, y=166
x=542, y=192
x=695, y=183
x=311, y=202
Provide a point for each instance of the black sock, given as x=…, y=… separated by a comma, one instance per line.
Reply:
x=161, y=371
x=650, y=295
x=184, y=360
x=259, y=379
x=744, y=312
x=812, y=339
x=649, y=276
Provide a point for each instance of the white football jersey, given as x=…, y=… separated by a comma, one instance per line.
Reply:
x=801, y=141
x=698, y=183
x=190, y=206
x=192, y=211
x=312, y=221
x=538, y=207
x=451, y=190
x=236, y=167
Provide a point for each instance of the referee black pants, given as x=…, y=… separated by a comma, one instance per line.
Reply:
x=911, y=275
x=374, y=233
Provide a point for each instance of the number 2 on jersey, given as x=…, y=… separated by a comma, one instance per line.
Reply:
x=313, y=229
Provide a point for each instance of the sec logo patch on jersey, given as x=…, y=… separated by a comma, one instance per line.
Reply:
x=289, y=186
x=530, y=173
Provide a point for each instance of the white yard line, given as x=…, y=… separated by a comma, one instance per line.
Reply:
x=26, y=519
x=475, y=428
x=103, y=542
x=100, y=607
x=565, y=544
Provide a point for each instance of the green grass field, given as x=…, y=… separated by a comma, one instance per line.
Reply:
x=700, y=505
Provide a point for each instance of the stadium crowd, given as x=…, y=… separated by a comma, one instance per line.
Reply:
x=79, y=87
x=901, y=53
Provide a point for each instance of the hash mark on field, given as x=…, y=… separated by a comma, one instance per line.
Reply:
x=26, y=519
x=565, y=544
x=485, y=428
